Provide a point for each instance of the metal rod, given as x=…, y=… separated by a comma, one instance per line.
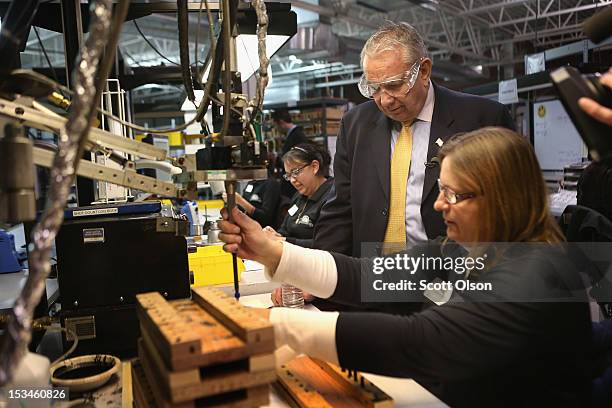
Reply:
x=230, y=189
x=227, y=67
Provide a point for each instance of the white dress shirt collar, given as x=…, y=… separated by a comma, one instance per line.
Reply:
x=291, y=129
x=427, y=112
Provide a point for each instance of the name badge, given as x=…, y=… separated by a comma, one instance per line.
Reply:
x=439, y=296
x=292, y=210
x=248, y=188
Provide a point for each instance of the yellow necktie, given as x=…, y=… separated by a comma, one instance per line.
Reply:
x=400, y=167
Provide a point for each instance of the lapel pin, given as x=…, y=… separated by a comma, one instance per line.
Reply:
x=439, y=142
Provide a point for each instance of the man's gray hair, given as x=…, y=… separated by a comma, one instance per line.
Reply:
x=393, y=36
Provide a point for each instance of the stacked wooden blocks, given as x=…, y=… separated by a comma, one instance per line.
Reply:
x=210, y=351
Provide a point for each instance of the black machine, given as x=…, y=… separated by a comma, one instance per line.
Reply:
x=108, y=254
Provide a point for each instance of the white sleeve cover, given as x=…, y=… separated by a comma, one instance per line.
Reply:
x=311, y=270
x=309, y=332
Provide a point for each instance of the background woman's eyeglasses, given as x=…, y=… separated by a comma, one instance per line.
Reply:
x=294, y=173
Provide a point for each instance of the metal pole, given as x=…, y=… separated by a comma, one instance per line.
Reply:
x=230, y=189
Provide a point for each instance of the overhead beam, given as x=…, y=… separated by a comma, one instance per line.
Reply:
x=491, y=7
x=550, y=14
x=324, y=11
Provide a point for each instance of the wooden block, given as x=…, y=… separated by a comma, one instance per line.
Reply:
x=171, y=329
x=192, y=337
x=126, y=384
x=297, y=393
x=242, y=321
x=314, y=383
x=145, y=396
x=261, y=362
x=191, y=384
x=249, y=398
x=357, y=385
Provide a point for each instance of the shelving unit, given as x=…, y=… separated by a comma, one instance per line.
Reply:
x=320, y=117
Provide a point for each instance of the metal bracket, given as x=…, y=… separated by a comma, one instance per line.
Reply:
x=173, y=225
x=41, y=120
x=83, y=327
x=221, y=175
x=126, y=178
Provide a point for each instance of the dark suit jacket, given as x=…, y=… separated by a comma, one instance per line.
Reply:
x=358, y=211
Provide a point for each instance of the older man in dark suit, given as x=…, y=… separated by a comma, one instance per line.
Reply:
x=385, y=164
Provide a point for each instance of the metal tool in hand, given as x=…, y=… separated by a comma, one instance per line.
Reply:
x=230, y=189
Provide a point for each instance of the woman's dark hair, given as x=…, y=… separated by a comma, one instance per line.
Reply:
x=595, y=188
x=307, y=152
x=282, y=114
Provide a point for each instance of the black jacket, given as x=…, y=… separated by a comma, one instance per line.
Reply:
x=358, y=211
x=487, y=351
x=298, y=225
x=264, y=195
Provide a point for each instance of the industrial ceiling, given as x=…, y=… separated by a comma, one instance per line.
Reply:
x=471, y=41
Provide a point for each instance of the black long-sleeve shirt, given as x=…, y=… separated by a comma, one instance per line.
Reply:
x=489, y=350
x=298, y=225
x=264, y=195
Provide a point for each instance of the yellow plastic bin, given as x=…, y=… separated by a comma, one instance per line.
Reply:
x=212, y=266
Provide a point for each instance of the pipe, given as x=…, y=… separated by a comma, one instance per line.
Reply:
x=183, y=34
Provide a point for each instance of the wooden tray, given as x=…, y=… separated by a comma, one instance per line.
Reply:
x=311, y=383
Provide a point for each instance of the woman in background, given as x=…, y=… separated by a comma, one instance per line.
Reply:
x=307, y=168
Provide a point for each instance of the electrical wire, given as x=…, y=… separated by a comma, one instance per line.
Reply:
x=137, y=127
x=213, y=43
x=137, y=63
x=17, y=19
x=183, y=34
x=42, y=47
x=141, y=128
x=73, y=346
x=144, y=37
x=216, y=59
x=203, y=107
x=153, y=47
x=195, y=50
x=207, y=98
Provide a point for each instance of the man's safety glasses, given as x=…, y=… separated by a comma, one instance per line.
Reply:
x=396, y=86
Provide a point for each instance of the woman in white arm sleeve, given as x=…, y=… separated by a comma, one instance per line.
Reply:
x=524, y=341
